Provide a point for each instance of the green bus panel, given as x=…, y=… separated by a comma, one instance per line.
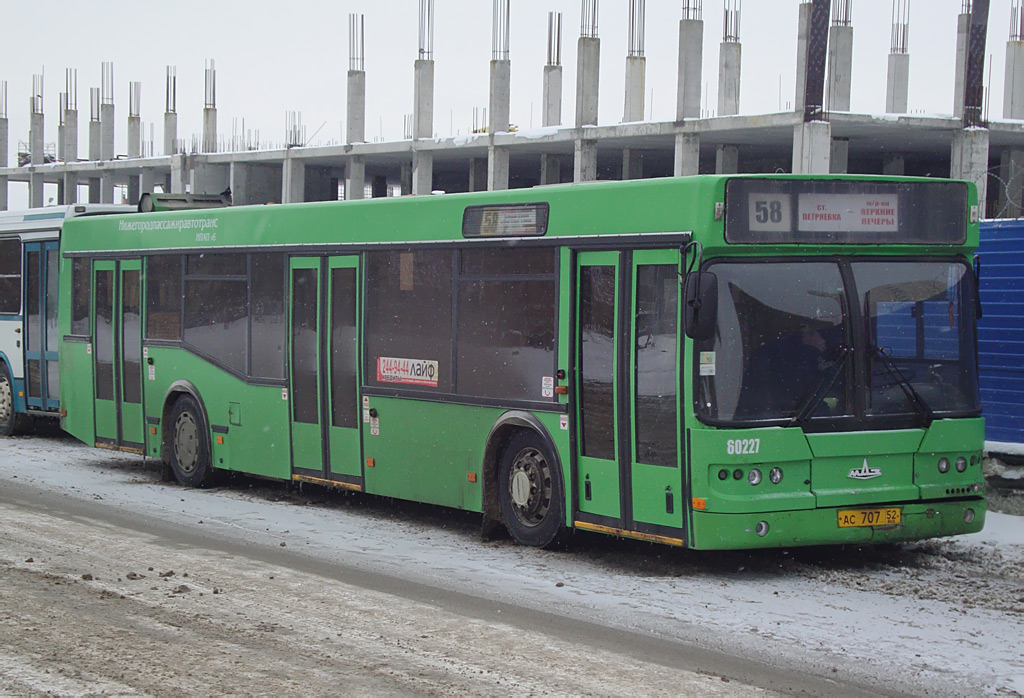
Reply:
x=258, y=445
x=76, y=389
x=949, y=439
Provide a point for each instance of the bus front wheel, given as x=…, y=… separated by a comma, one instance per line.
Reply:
x=530, y=491
x=11, y=422
x=190, y=444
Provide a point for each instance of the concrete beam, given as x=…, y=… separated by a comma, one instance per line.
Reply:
x=729, y=57
x=691, y=57
x=812, y=147
x=840, y=68
x=687, y=155
x=897, y=83
x=588, y=71
x=969, y=160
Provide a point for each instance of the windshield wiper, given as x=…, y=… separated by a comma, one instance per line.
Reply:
x=825, y=383
x=920, y=406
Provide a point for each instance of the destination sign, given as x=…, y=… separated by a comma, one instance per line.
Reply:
x=505, y=220
x=771, y=210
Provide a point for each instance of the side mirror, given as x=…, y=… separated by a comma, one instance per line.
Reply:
x=700, y=304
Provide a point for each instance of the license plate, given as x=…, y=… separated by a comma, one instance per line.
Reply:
x=890, y=516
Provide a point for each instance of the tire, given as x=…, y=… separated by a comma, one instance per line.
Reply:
x=11, y=422
x=530, y=491
x=190, y=444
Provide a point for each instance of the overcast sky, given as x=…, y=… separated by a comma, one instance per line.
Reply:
x=293, y=56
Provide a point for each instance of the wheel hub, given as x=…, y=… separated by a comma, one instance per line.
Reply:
x=186, y=442
x=530, y=487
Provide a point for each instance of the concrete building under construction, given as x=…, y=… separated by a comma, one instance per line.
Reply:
x=823, y=133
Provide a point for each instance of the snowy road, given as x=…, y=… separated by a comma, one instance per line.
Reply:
x=317, y=589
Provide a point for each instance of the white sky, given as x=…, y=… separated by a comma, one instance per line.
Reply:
x=293, y=56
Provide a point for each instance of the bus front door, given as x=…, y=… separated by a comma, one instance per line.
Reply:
x=324, y=386
x=117, y=354
x=42, y=390
x=629, y=473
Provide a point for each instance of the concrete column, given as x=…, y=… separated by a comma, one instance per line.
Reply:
x=812, y=147
x=897, y=83
x=588, y=69
x=894, y=166
x=355, y=125
x=632, y=164
x=405, y=179
x=497, y=167
x=478, y=174
x=379, y=187
x=550, y=169
x=36, y=158
x=3, y=162
x=840, y=68
x=636, y=69
x=209, y=130
x=238, y=180
x=970, y=160
x=179, y=173
x=95, y=153
x=170, y=132
x=687, y=155
x=497, y=156
x=839, y=156
x=727, y=159
x=802, y=38
x=423, y=125
x=1011, y=190
x=106, y=152
x=963, y=30
x=355, y=176
x=422, y=172
x=551, y=113
x=585, y=160
x=423, y=99
x=293, y=180
x=1013, y=81
x=60, y=142
x=134, y=151
x=729, y=78
x=691, y=56
x=147, y=180
x=70, y=155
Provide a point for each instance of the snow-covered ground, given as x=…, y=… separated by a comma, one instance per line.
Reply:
x=942, y=617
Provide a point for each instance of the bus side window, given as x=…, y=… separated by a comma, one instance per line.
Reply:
x=10, y=276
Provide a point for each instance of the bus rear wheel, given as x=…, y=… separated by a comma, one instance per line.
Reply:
x=190, y=444
x=11, y=422
x=530, y=492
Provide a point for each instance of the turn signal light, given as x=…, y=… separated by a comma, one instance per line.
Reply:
x=369, y=462
x=471, y=477
x=561, y=390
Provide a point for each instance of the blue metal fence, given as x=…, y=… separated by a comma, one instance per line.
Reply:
x=1001, y=330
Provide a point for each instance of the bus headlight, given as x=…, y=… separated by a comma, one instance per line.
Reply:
x=775, y=475
x=761, y=529
x=961, y=464
x=943, y=465
x=754, y=477
x=968, y=516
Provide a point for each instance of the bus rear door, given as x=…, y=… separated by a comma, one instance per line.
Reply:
x=323, y=380
x=629, y=471
x=42, y=390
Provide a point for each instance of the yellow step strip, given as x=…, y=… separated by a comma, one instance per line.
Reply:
x=649, y=537
x=328, y=483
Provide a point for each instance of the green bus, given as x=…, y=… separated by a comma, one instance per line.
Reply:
x=711, y=362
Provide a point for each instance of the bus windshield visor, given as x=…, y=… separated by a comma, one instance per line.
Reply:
x=799, y=343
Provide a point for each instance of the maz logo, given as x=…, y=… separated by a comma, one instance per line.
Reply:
x=864, y=472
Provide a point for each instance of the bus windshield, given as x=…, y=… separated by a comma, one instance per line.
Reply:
x=810, y=342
